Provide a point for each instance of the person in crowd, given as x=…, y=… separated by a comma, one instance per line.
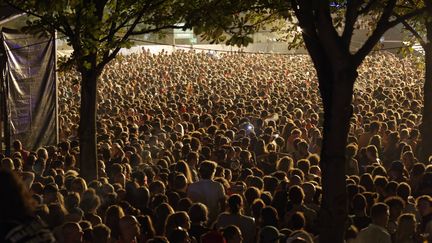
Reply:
x=424, y=205
x=198, y=214
x=72, y=233
x=177, y=220
x=179, y=133
x=406, y=229
x=359, y=217
x=208, y=191
x=18, y=220
x=235, y=216
x=232, y=234
x=101, y=234
x=270, y=234
x=376, y=231
x=129, y=229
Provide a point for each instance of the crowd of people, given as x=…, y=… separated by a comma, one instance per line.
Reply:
x=199, y=147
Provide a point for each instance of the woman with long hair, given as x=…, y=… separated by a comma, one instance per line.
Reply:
x=147, y=229
x=162, y=211
x=183, y=167
x=112, y=218
x=406, y=229
x=376, y=140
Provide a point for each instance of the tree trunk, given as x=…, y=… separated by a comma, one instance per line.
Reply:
x=336, y=92
x=426, y=126
x=87, y=126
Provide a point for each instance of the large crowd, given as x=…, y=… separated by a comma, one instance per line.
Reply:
x=205, y=147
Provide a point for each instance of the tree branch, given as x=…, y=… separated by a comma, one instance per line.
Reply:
x=367, y=8
x=405, y=17
x=414, y=32
x=112, y=28
x=327, y=33
x=304, y=13
x=156, y=29
x=109, y=57
x=123, y=24
x=42, y=19
x=381, y=27
x=351, y=15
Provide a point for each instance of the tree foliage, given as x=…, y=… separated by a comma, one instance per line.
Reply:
x=100, y=27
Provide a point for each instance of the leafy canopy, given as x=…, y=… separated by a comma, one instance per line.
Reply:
x=98, y=29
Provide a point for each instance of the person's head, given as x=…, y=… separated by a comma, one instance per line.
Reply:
x=251, y=194
x=304, y=165
x=235, y=204
x=179, y=235
x=372, y=152
x=207, y=169
x=232, y=234
x=101, y=233
x=180, y=182
x=380, y=214
x=72, y=200
x=298, y=221
x=175, y=220
x=7, y=164
x=17, y=145
x=198, y=213
x=396, y=206
x=403, y=190
x=157, y=187
x=56, y=216
x=406, y=226
x=374, y=127
x=269, y=216
x=39, y=166
x=112, y=217
x=351, y=150
x=303, y=147
x=269, y=234
x=129, y=228
x=90, y=201
x=50, y=193
x=183, y=167
x=72, y=232
x=359, y=203
x=408, y=159
x=16, y=202
x=142, y=197
x=42, y=153
x=424, y=205
x=296, y=195
x=79, y=185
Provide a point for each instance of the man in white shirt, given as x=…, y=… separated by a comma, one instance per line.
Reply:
x=208, y=191
x=376, y=232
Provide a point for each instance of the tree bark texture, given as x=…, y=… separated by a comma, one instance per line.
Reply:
x=336, y=92
x=87, y=126
x=426, y=126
